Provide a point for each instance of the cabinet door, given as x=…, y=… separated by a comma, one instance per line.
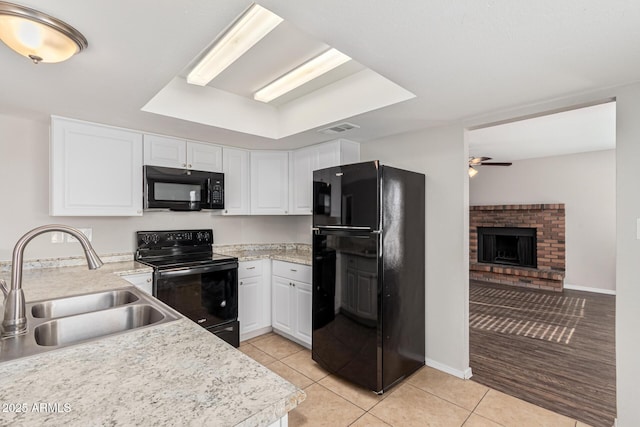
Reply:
x=95, y=170
x=281, y=314
x=165, y=151
x=204, y=157
x=236, y=181
x=142, y=281
x=249, y=303
x=269, y=182
x=328, y=155
x=303, y=163
x=303, y=315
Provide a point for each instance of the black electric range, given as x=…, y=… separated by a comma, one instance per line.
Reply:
x=189, y=277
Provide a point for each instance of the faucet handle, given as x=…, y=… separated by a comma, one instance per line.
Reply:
x=3, y=286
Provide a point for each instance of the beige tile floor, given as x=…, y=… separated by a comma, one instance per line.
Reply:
x=428, y=398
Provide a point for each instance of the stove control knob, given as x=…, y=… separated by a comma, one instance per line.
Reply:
x=202, y=236
x=150, y=238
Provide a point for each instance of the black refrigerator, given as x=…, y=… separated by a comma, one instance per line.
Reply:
x=368, y=273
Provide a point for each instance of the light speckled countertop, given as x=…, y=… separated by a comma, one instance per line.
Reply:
x=172, y=374
x=298, y=253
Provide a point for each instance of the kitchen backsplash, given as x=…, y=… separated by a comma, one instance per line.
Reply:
x=5, y=266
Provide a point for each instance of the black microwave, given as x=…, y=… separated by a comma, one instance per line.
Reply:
x=182, y=189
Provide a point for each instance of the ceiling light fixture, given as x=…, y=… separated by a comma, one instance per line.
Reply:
x=472, y=172
x=38, y=36
x=306, y=72
x=255, y=23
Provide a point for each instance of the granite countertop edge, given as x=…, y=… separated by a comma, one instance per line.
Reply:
x=266, y=397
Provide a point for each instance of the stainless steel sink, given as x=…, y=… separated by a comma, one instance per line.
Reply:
x=73, y=329
x=82, y=304
x=63, y=322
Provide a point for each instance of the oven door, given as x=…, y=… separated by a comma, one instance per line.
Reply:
x=208, y=295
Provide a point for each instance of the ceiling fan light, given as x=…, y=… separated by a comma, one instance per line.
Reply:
x=306, y=72
x=38, y=36
x=472, y=172
x=255, y=23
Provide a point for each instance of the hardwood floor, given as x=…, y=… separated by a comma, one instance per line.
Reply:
x=556, y=350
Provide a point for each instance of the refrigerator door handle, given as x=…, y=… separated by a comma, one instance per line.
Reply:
x=356, y=232
x=342, y=227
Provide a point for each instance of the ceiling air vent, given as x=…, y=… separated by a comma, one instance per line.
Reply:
x=342, y=127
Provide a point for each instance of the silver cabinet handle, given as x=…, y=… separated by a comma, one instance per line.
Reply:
x=241, y=283
x=293, y=270
x=184, y=165
x=149, y=280
x=189, y=165
x=251, y=268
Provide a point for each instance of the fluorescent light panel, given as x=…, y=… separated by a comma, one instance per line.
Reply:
x=306, y=72
x=245, y=32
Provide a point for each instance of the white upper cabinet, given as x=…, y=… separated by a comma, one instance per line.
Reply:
x=269, y=182
x=305, y=160
x=204, y=157
x=235, y=164
x=179, y=153
x=95, y=170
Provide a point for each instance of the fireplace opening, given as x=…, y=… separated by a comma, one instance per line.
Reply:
x=507, y=245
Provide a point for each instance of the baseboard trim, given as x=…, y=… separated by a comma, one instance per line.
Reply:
x=255, y=333
x=464, y=374
x=588, y=289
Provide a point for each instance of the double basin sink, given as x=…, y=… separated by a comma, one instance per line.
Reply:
x=73, y=320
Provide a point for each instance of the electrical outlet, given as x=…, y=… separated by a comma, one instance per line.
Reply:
x=86, y=231
x=57, y=237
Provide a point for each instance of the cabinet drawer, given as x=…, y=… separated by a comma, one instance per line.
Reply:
x=249, y=268
x=289, y=270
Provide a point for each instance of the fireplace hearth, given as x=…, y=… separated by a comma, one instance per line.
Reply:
x=507, y=245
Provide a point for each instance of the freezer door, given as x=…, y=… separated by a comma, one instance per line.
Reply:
x=346, y=303
x=347, y=196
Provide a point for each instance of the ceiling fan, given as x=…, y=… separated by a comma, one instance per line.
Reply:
x=482, y=161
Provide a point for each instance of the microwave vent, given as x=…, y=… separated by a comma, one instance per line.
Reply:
x=342, y=127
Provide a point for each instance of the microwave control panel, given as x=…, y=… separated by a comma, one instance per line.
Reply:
x=217, y=192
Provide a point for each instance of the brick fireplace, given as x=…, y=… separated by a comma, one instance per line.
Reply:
x=520, y=245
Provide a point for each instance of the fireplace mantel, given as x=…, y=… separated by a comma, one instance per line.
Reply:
x=549, y=222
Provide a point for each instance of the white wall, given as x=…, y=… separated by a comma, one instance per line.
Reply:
x=628, y=254
x=24, y=200
x=441, y=155
x=586, y=184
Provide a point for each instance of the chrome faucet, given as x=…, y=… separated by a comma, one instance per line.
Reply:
x=15, y=321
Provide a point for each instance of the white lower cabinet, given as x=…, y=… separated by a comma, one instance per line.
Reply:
x=291, y=286
x=142, y=281
x=254, y=298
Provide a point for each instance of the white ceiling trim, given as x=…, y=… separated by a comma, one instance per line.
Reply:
x=358, y=93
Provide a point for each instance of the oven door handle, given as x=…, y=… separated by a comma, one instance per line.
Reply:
x=185, y=271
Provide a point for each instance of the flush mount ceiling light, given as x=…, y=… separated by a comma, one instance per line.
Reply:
x=255, y=23
x=306, y=72
x=38, y=36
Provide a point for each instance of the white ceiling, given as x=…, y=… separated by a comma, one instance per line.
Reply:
x=576, y=131
x=461, y=59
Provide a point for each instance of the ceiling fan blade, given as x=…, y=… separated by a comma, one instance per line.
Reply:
x=496, y=164
x=478, y=160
